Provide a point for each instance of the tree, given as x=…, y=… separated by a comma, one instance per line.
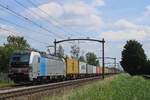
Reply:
x=75, y=50
x=133, y=57
x=81, y=58
x=92, y=59
x=146, y=68
x=13, y=43
x=1, y=52
x=60, y=51
x=16, y=42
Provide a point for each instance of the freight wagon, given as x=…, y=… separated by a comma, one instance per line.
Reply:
x=94, y=70
x=72, y=68
x=98, y=70
x=82, y=69
x=91, y=70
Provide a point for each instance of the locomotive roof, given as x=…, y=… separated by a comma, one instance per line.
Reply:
x=43, y=54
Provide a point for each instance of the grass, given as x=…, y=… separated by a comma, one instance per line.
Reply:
x=119, y=87
x=6, y=83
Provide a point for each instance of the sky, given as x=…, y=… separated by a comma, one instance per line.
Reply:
x=42, y=21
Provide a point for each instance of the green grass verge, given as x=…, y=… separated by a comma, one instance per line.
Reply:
x=6, y=84
x=119, y=87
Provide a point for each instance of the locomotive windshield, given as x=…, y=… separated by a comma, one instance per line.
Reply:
x=20, y=59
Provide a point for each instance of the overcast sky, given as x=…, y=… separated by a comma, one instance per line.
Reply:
x=114, y=20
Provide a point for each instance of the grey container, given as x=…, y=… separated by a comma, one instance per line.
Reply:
x=89, y=69
x=55, y=67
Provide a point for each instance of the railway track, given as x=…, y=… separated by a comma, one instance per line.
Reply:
x=28, y=91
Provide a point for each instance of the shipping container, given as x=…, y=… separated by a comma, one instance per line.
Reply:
x=72, y=66
x=82, y=68
x=55, y=67
x=110, y=70
x=106, y=71
x=101, y=70
x=98, y=70
x=94, y=69
x=89, y=69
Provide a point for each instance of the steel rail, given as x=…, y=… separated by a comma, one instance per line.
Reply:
x=13, y=93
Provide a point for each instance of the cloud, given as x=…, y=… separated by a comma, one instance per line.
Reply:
x=123, y=35
x=147, y=12
x=79, y=8
x=53, y=9
x=124, y=30
x=92, y=22
x=124, y=24
x=76, y=14
x=6, y=30
x=144, y=18
x=98, y=2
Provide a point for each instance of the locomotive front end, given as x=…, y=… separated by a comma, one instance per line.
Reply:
x=19, y=67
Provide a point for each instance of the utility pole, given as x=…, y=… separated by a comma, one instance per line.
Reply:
x=115, y=62
x=55, y=47
x=103, y=63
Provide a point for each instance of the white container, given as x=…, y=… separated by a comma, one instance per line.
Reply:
x=89, y=69
x=82, y=68
x=94, y=69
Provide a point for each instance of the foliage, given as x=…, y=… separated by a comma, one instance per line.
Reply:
x=120, y=87
x=75, y=50
x=92, y=59
x=13, y=43
x=16, y=42
x=146, y=68
x=133, y=57
x=81, y=58
x=4, y=84
x=60, y=51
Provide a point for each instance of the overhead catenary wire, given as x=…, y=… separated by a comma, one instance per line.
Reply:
x=54, y=19
x=35, y=13
x=33, y=39
x=29, y=20
x=5, y=20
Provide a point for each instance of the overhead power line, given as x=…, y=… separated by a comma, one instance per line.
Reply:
x=33, y=39
x=5, y=20
x=29, y=20
x=54, y=19
x=35, y=13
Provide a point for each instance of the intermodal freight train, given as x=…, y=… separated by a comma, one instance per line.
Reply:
x=32, y=66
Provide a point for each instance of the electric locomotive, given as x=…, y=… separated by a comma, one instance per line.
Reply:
x=29, y=66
